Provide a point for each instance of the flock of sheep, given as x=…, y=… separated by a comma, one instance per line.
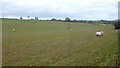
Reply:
x=97, y=33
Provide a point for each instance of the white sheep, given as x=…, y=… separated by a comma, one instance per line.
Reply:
x=13, y=29
x=99, y=33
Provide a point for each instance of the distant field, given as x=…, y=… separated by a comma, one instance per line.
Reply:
x=52, y=43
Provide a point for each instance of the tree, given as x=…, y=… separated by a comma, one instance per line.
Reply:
x=28, y=17
x=74, y=20
x=21, y=18
x=36, y=18
x=90, y=22
x=67, y=19
x=59, y=20
x=53, y=19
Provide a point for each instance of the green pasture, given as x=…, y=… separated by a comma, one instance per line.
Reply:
x=53, y=43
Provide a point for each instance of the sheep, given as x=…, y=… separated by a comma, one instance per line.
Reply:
x=14, y=29
x=99, y=33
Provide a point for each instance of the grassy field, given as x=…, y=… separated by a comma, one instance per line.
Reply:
x=52, y=43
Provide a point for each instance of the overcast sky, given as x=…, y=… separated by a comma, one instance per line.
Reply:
x=74, y=9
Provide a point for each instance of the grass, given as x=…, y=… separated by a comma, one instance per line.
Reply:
x=52, y=43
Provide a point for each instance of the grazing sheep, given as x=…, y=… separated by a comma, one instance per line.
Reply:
x=13, y=29
x=99, y=33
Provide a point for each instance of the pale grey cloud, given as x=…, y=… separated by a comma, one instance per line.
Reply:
x=76, y=9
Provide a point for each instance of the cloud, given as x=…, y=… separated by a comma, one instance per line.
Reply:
x=78, y=9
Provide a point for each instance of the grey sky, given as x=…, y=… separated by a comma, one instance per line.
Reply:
x=75, y=9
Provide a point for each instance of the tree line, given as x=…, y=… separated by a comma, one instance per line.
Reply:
x=116, y=23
